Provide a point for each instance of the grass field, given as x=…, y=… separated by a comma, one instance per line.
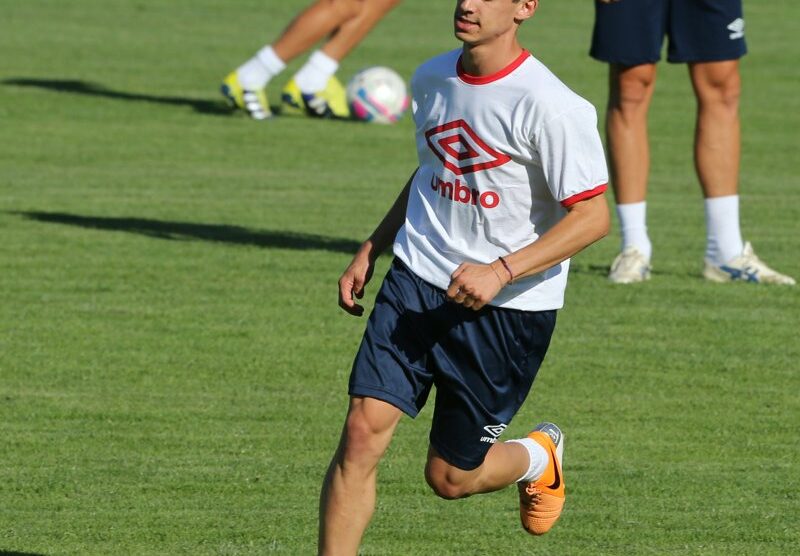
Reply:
x=173, y=364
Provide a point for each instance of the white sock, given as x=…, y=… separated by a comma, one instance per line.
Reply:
x=539, y=459
x=316, y=72
x=633, y=225
x=256, y=72
x=723, y=236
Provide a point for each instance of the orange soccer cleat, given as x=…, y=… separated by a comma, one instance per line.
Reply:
x=541, y=501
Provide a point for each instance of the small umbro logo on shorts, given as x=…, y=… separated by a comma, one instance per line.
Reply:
x=494, y=431
x=736, y=27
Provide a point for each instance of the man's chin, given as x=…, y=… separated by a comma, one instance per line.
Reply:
x=463, y=36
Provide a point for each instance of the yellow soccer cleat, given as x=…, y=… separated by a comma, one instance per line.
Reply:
x=331, y=102
x=254, y=102
x=541, y=501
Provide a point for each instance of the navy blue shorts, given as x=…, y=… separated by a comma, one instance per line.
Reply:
x=631, y=32
x=482, y=362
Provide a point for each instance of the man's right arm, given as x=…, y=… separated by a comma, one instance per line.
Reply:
x=359, y=272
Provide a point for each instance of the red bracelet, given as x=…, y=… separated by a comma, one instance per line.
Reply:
x=508, y=268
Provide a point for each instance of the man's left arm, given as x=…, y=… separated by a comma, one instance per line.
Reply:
x=475, y=285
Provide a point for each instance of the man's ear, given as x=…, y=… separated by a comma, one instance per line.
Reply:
x=526, y=9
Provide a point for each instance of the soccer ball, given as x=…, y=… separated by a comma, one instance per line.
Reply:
x=377, y=95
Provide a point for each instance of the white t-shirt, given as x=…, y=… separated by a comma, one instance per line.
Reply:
x=500, y=157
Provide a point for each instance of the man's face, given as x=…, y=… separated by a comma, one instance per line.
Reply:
x=481, y=21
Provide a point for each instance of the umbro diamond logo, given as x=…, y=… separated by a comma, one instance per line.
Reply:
x=736, y=27
x=494, y=431
x=461, y=150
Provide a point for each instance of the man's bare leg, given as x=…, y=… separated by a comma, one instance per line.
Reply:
x=717, y=86
x=630, y=92
x=352, y=32
x=314, y=23
x=717, y=152
x=504, y=464
x=533, y=463
x=348, y=492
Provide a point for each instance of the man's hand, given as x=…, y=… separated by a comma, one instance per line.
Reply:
x=354, y=279
x=608, y=1
x=475, y=285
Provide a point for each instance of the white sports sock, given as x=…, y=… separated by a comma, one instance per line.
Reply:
x=723, y=236
x=256, y=72
x=539, y=458
x=316, y=72
x=633, y=225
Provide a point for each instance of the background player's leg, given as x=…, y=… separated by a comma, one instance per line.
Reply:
x=245, y=87
x=348, y=492
x=717, y=86
x=312, y=24
x=312, y=90
x=630, y=91
x=352, y=32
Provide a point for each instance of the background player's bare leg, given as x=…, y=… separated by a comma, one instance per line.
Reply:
x=353, y=31
x=717, y=86
x=630, y=91
x=314, y=23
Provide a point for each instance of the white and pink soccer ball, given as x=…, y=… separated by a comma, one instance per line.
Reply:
x=377, y=95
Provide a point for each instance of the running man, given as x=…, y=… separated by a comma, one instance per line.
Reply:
x=509, y=185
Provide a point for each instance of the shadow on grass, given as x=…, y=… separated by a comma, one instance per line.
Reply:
x=15, y=553
x=591, y=269
x=602, y=270
x=217, y=108
x=183, y=231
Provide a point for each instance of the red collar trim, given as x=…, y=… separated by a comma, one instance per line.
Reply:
x=484, y=79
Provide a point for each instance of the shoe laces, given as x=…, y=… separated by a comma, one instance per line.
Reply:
x=751, y=262
x=630, y=259
x=533, y=492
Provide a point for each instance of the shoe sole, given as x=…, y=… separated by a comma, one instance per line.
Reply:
x=644, y=278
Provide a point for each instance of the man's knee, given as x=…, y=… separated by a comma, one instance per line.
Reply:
x=360, y=437
x=717, y=83
x=631, y=87
x=448, y=482
x=345, y=9
x=445, y=488
x=367, y=431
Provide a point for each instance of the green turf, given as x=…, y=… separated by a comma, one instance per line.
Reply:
x=173, y=364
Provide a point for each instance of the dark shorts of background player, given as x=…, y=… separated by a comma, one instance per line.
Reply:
x=631, y=32
x=482, y=362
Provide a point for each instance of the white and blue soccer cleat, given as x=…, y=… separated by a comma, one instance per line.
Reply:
x=629, y=267
x=747, y=267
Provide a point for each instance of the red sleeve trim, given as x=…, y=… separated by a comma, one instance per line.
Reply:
x=484, y=79
x=583, y=195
